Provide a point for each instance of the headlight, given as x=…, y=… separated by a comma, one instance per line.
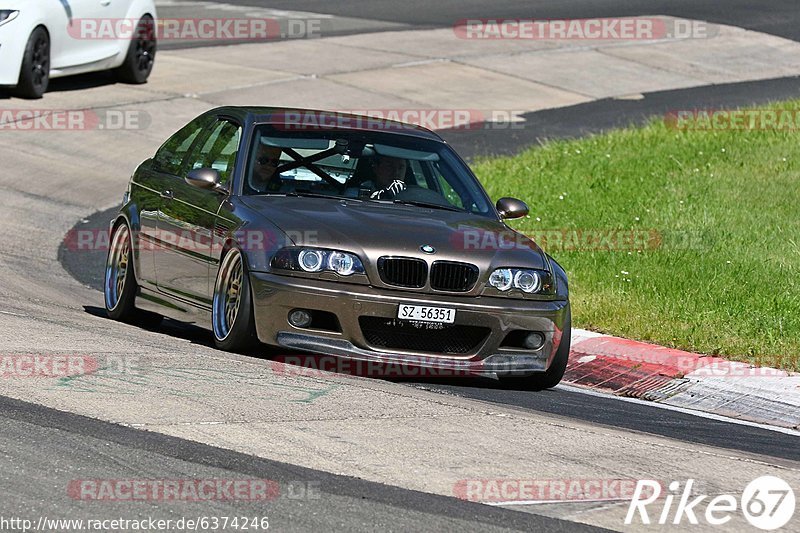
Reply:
x=7, y=15
x=317, y=260
x=501, y=279
x=310, y=260
x=342, y=263
x=527, y=280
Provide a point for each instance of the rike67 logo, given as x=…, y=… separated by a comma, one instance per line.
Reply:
x=767, y=503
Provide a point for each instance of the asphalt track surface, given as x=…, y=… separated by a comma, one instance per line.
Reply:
x=307, y=500
x=778, y=17
x=606, y=114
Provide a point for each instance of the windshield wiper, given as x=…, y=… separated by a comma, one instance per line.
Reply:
x=428, y=204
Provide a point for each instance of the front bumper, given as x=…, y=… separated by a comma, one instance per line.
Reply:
x=275, y=296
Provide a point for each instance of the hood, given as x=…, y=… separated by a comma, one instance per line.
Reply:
x=372, y=230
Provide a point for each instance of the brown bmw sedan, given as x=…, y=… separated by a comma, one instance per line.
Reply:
x=338, y=235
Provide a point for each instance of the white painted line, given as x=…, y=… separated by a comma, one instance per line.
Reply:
x=12, y=314
x=579, y=335
x=699, y=414
x=421, y=62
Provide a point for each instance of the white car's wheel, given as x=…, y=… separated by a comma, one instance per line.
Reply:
x=141, y=53
x=34, y=75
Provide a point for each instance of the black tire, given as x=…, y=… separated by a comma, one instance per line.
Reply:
x=34, y=74
x=141, y=54
x=232, y=318
x=552, y=376
x=119, y=283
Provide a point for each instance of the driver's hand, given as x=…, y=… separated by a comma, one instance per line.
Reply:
x=395, y=187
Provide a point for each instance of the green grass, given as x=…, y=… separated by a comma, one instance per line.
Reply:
x=724, y=278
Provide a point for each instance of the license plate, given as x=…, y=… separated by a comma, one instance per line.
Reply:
x=426, y=314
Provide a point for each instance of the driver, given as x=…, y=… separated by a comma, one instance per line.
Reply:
x=390, y=173
x=264, y=177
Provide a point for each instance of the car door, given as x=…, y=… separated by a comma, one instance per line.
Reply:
x=154, y=180
x=59, y=21
x=89, y=32
x=187, y=216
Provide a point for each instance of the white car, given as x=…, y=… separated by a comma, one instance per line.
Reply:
x=43, y=39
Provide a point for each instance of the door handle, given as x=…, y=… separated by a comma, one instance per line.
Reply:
x=167, y=195
x=105, y=3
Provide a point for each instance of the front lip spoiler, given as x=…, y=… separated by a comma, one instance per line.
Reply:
x=506, y=364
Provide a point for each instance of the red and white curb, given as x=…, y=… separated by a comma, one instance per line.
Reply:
x=684, y=379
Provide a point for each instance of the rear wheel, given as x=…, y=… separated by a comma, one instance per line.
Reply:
x=552, y=376
x=232, y=316
x=34, y=75
x=141, y=54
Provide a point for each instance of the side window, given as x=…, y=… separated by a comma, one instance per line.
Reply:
x=170, y=156
x=218, y=150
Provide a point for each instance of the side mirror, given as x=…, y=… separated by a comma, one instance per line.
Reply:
x=509, y=208
x=205, y=178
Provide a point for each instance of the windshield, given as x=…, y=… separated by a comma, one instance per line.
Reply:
x=370, y=166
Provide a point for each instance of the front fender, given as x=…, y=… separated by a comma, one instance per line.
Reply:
x=562, y=284
x=13, y=39
x=129, y=214
x=258, y=242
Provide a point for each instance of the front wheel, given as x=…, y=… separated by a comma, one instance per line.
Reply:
x=119, y=286
x=232, y=316
x=141, y=54
x=552, y=376
x=34, y=75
